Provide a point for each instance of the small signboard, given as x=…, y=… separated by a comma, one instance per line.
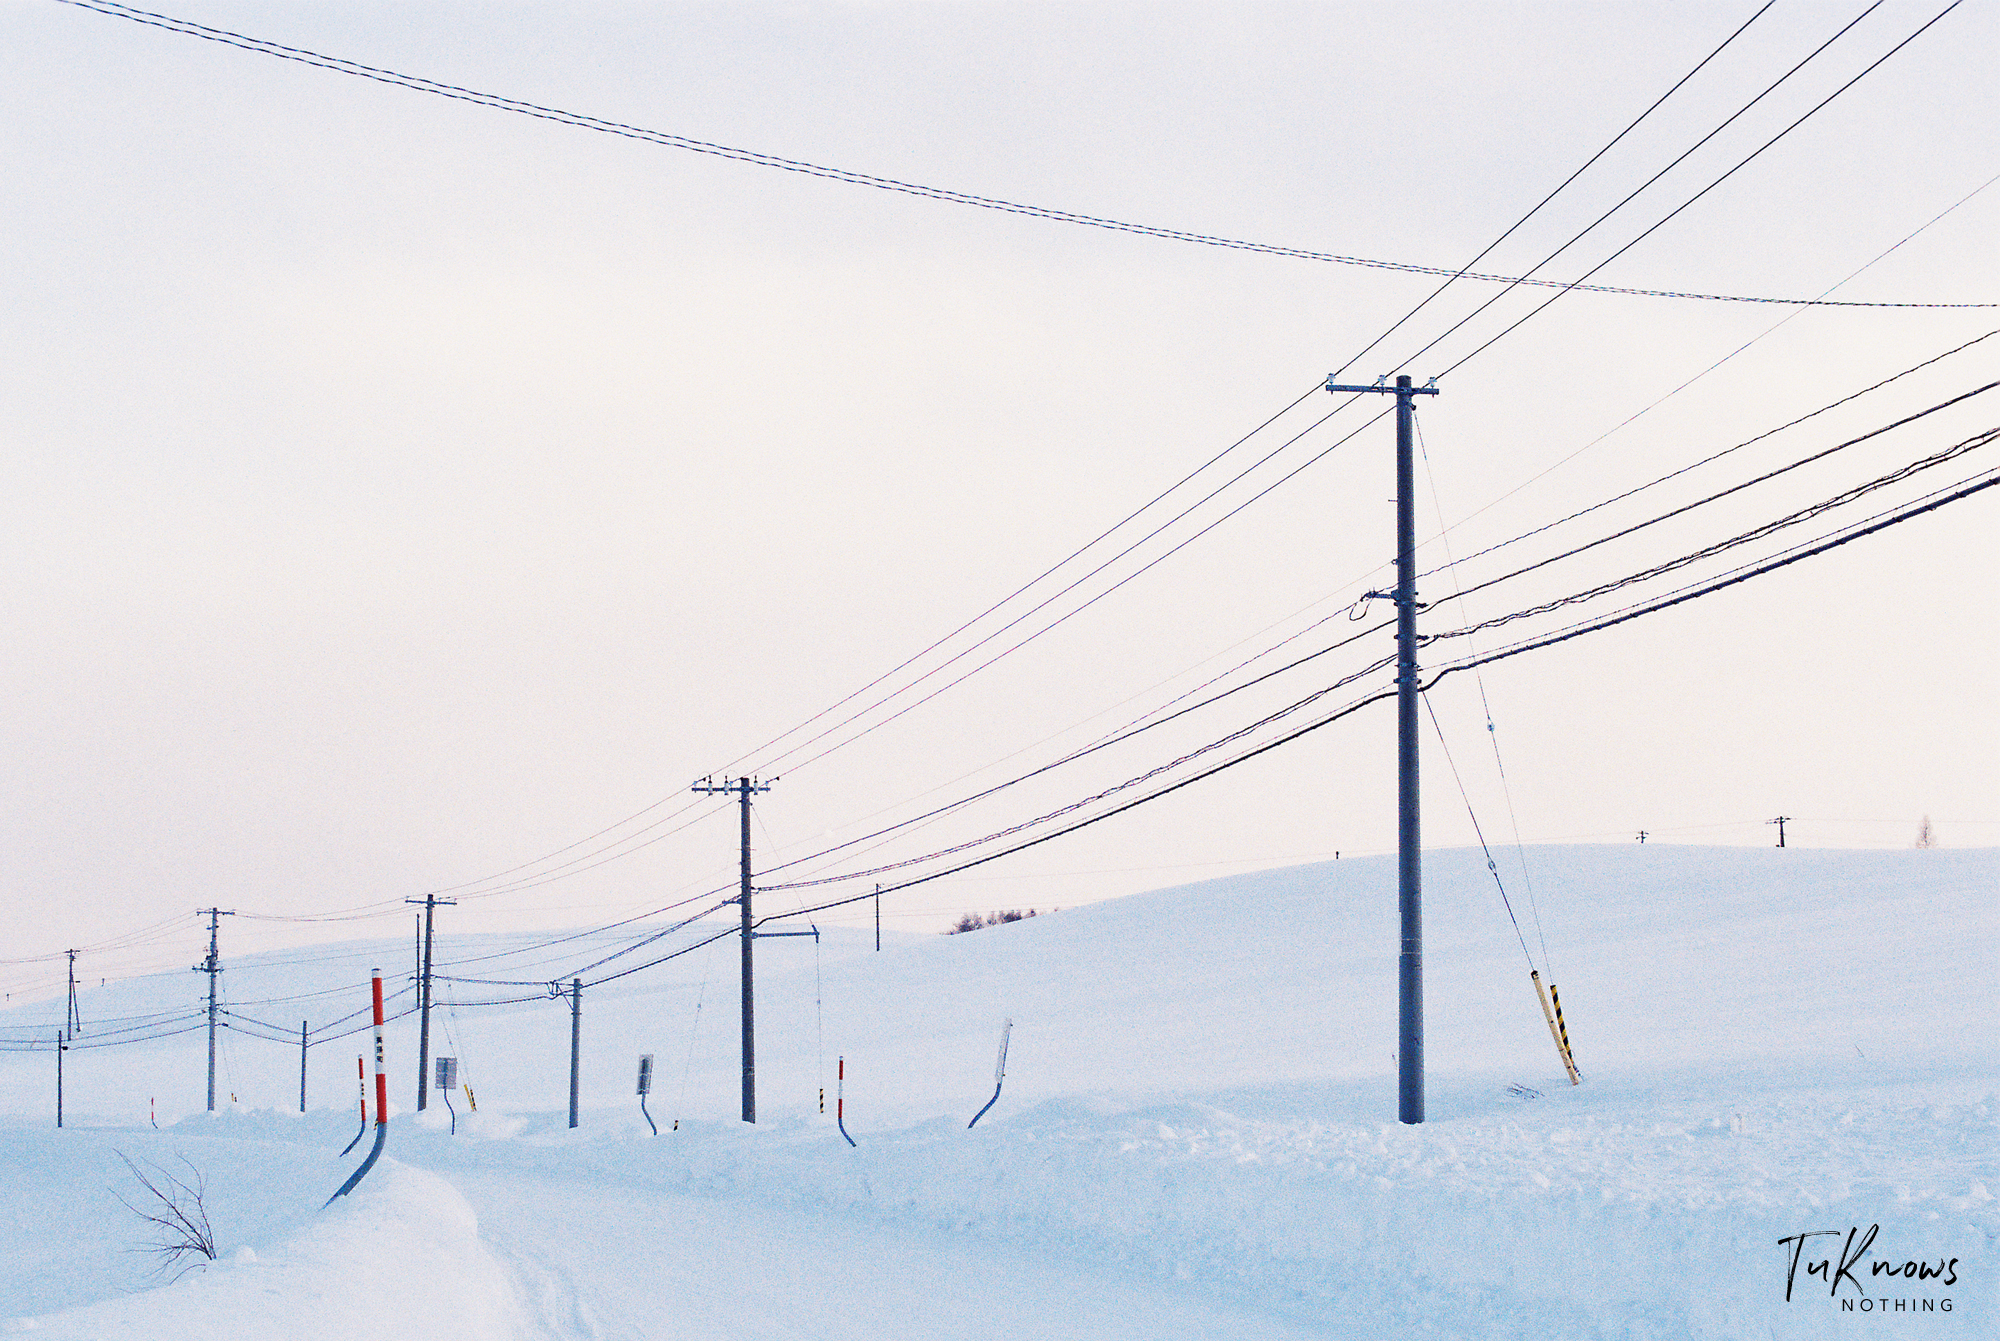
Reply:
x=645, y=1073
x=447, y=1073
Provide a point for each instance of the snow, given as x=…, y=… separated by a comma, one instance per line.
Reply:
x=1196, y=1135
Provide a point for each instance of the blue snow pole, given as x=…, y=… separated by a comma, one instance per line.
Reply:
x=999, y=1076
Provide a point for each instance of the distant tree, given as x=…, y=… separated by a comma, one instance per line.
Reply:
x=1925, y=838
x=974, y=921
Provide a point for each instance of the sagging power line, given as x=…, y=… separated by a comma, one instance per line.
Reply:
x=584, y=121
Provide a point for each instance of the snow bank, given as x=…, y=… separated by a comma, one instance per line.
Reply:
x=398, y=1257
x=1637, y=1213
x=1200, y=1096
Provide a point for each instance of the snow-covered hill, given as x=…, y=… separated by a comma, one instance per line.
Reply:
x=1197, y=1132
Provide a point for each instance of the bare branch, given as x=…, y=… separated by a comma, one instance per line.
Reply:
x=175, y=1210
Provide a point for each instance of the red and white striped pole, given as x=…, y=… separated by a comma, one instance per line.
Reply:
x=381, y=1073
x=840, y=1101
x=381, y=1098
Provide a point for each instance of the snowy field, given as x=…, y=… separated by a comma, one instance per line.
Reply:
x=1196, y=1137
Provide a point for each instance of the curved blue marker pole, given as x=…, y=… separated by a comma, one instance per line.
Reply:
x=381, y=1103
x=999, y=1076
x=374, y=1153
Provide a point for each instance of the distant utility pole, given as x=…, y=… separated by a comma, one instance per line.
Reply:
x=1780, y=822
x=62, y=1046
x=302, y=1066
x=212, y=966
x=1409, y=836
x=430, y=903
x=575, y=1043
x=744, y=787
x=1642, y=838
x=75, y=1022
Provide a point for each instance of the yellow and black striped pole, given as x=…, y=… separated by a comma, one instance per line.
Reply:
x=1562, y=1033
x=1555, y=1027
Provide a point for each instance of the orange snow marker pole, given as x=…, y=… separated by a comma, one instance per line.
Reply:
x=1555, y=1031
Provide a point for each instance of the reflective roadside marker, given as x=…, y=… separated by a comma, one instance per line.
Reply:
x=447, y=1073
x=645, y=1073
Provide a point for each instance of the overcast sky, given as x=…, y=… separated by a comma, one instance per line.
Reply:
x=397, y=490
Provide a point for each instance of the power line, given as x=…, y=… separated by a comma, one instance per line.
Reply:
x=1738, y=488
x=1825, y=545
x=1492, y=737
x=583, y=121
x=545, y=877
x=1492, y=866
x=1636, y=415
x=1675, y=212
x=1691, y=466
x=1516, y=225
x=1085, y=605
x=1636, y=191
x=1412, y=312
x=1046, y=573
x=1126, y=733
x=1709, y=588
x=1849, y=495
x=1835, y=541
x=1129, y=549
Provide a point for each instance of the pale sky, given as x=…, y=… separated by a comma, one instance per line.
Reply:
x=397, y=491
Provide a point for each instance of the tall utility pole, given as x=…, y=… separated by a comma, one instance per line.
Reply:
x=212, y=966
x=75, y=1025
x=430, y=903
x=744, y=787
x=1780, y=822
x=1409, y=836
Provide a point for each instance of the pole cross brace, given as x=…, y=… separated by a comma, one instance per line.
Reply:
x=1430, y=390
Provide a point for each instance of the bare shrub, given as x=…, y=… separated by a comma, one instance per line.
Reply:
x=175, y=1210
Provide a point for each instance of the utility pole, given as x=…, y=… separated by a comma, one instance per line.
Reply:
x=1642, y=838
x=1409, y=836
x=212, y=966
x=302, y=1066
x=575, y=1042
x=1780, y=822
x=430, y=903
x=75, y=1021
x=62, y=1046
x=878, y=916
x=744, y=787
